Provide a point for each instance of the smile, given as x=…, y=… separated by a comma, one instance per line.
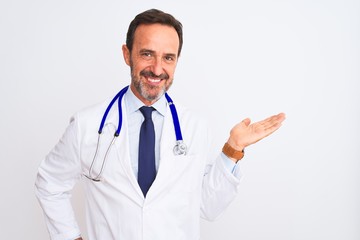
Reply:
x=154, y=80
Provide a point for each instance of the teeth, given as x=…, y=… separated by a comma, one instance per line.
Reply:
x=154, y=80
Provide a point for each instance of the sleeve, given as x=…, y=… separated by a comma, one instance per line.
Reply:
x=57, y=175
x=231, y=166
x=220, y=187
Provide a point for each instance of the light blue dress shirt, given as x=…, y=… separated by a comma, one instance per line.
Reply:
x=135, y=119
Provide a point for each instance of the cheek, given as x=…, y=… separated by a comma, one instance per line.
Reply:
x=171, y=71
x=136, y=69
x=140, y=66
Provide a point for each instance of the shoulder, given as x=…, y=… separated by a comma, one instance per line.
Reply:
x=195, y=129
x=192, y=118
x=90, y=116
x=91, y=110
x=189, y=112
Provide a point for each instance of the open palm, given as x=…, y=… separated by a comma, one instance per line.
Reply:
x=246, y=133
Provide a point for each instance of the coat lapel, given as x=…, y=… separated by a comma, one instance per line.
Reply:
x=167, y=142
x=122, y=147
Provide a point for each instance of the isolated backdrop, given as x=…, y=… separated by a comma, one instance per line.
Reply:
x=240, y=59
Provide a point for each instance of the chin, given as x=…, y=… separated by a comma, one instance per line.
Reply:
x=154, y=96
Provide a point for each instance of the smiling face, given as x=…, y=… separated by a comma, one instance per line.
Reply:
x=152, y=61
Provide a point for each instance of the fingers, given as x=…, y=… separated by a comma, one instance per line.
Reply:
x=268, y=125
x=273, y=123
x=273, y=120
x=246, y=121
x=246, y=133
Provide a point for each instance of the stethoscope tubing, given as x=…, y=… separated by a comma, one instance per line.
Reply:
x=119, y=97
x=179, y=149
x=103, y=120
x=175, y=118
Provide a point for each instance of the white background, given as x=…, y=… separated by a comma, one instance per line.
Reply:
x=240, y=59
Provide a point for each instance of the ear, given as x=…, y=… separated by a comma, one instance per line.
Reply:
x=126, y=54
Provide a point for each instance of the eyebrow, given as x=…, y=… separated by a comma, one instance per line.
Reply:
x=152, y=51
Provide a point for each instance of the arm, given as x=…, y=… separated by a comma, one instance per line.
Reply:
x=56, y=177
x=220, y=186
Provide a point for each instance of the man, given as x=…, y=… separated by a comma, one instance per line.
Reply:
x=163, y=196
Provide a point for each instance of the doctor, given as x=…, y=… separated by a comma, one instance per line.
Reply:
x=140, y=189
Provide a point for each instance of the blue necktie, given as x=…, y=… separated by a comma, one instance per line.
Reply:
x=146, y=170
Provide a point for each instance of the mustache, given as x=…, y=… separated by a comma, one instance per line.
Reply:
x=146, y=73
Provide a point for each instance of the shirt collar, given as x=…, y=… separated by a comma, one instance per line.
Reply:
x=133, y=103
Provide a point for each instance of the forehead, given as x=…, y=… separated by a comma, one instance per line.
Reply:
x=156, y=37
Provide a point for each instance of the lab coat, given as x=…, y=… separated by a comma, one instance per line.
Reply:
x=185, y=189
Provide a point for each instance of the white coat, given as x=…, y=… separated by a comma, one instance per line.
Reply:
x=185, y=189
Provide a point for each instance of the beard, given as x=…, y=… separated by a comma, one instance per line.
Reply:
x=147, y=91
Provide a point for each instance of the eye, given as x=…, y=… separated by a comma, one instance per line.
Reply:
x=169, y=58
x=146, y=54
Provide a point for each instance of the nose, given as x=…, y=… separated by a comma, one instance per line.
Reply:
x=157, y=66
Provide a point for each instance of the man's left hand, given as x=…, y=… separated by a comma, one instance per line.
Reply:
x=246, y=133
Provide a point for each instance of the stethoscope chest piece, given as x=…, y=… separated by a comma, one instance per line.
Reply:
x=180, y=148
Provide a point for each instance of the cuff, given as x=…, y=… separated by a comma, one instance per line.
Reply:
x=231, y=166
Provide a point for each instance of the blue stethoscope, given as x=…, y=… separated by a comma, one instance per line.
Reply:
x=180, y=147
